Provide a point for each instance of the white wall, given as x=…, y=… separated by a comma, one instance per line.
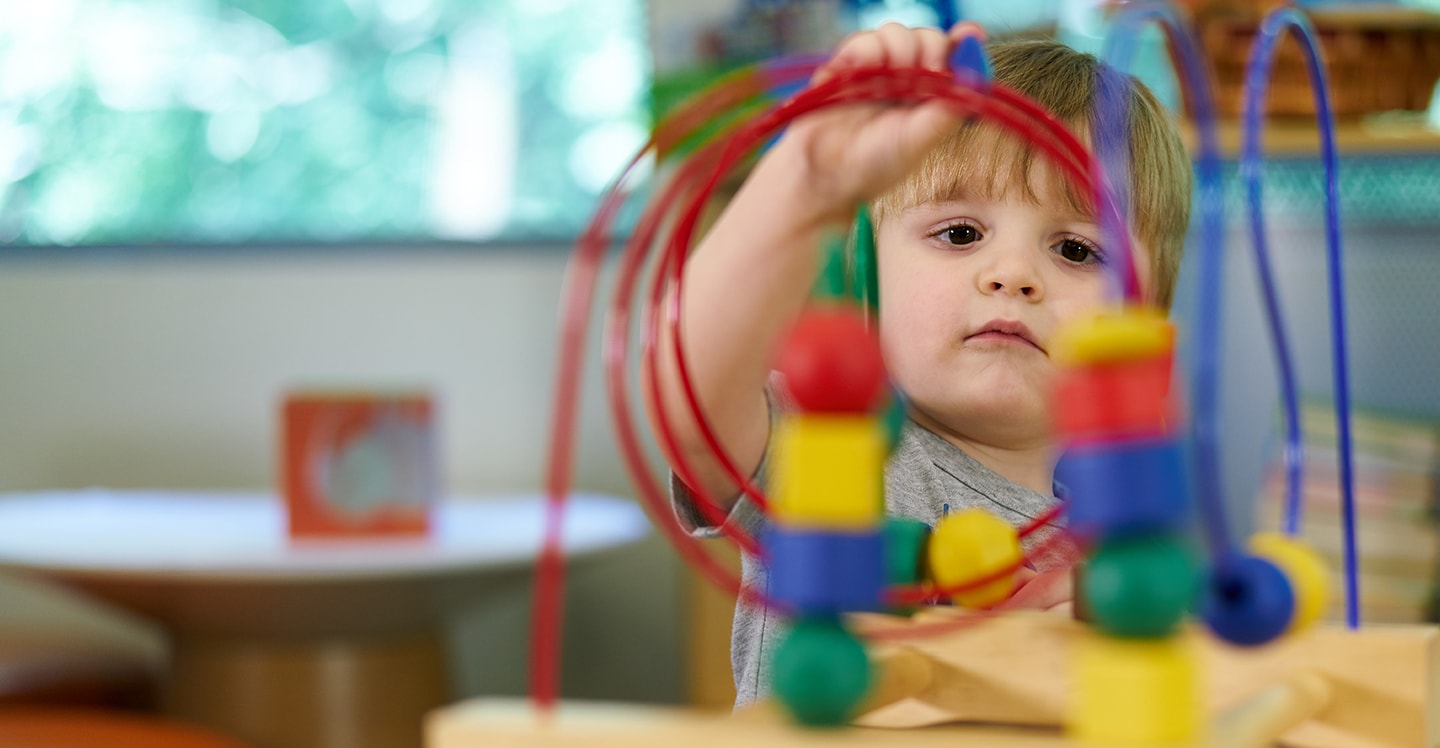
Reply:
x=1392, y=285
x=164, y=369
x=146, y=369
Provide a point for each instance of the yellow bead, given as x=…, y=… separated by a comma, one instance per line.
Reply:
x=1304, y=568
x=972, y=544
x=1135, y=691
x=1126, y=335
x=827, y=472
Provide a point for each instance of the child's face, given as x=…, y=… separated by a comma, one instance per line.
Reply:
x=972, y=292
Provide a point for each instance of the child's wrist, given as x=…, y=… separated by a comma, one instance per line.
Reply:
x=812, y=204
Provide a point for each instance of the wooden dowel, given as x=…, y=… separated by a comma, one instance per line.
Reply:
x=899, y=674
x=1259, y=720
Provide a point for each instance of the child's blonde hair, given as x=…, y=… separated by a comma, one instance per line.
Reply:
x=977, y=161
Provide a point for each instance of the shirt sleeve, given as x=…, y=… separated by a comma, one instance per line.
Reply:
x=744, y=515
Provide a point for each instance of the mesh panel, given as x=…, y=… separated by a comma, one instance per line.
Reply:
x=1374, y=190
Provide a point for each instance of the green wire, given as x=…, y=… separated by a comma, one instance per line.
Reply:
x=834, y=280
x=867, y=276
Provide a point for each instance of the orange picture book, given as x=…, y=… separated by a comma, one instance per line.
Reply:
x=358, y=464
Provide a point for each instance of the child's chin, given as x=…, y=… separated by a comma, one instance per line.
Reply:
x=1014, y=411
x=1011, y=387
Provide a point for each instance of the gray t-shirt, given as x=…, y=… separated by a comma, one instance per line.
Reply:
x=925, y=473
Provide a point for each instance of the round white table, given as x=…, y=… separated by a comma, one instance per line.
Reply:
x=294, y=643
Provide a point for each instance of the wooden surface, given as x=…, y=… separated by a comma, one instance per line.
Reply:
x=1292, y=138
x=1329, y=688
x=709, y=612
x=512, y=724
x=79, y=728
x=1014, y=669
x=306, y=693
x=40, y=669
x=494, y=723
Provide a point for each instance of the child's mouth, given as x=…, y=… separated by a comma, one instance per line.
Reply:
x=1005, y=332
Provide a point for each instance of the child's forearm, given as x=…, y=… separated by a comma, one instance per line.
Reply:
x=743, y=286
x=749, y=278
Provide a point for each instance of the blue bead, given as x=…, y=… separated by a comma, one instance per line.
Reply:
x=817, y=572
x=969, y=58
x=1247, y=601
x=1125, y=487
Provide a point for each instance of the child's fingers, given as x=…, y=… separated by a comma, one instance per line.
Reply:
x=963, y=29
x=857, y=50
x=891, y=45
x=1043, y=591
x=899, y=46
x=934, y=49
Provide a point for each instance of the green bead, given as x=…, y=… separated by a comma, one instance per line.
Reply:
x=894, y=418
x=1139, y=586
x=905, y=541
x=820, y=672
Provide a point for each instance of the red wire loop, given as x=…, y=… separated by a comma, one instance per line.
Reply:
x=691, y=188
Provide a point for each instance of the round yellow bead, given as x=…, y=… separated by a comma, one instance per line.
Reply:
x=1308, y=575
x=1124, y=335
x=971, y=544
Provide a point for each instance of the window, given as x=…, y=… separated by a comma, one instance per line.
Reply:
x=240, y=121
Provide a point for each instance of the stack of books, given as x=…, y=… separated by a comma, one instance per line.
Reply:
x=1396, y=460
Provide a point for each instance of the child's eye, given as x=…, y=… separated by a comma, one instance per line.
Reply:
x=959, y=234
x=1078, y=251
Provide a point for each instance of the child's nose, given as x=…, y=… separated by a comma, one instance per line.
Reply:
x=1012, y=277
x=1015, y=288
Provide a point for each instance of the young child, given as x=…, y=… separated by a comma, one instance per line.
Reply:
x=984, y=249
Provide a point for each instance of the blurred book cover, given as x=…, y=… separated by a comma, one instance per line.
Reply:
x=358, y=463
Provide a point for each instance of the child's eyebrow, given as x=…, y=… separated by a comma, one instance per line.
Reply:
x=952, y=191
x=1071, y=214
x=945, y=200
x=1068, y=203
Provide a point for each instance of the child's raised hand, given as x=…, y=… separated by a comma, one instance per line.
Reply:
x=851, y=154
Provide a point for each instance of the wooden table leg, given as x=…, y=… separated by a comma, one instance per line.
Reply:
x=309, y=693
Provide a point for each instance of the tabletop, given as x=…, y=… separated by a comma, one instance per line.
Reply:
x=240, y=536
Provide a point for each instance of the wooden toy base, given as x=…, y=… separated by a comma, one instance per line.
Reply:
x=514, y=724
x=1326, y=688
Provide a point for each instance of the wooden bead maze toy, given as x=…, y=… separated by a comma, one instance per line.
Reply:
x=870, y=659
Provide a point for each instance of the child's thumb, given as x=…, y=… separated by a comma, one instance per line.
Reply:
x=964, y=29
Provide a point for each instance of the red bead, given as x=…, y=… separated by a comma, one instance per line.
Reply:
x=1125, y=399
x=831, y=362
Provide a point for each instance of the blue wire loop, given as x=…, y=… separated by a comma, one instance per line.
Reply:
x=1257, y=77
x=1118, y=52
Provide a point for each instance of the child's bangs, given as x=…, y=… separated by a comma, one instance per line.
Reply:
x=983, y=161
